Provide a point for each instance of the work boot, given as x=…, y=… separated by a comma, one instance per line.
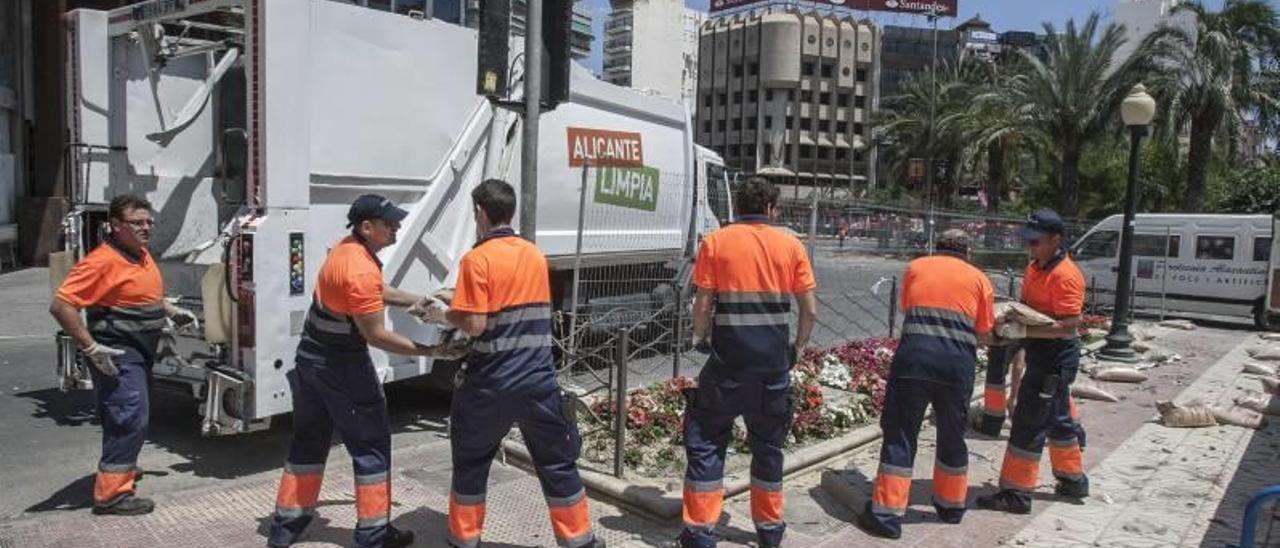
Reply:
x=397, y=538
x=1073, y=489
x=596, y=543
x=1004, y=501
x=988, y=425
x=130, y=505
x=872, y=526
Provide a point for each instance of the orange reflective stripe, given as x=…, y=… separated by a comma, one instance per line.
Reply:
x=702, y=508
x=373, y=500
x=109, y=486
x=766, y=505
x=950, y=486
x=1066, y=459
x=466, y=521
x=994, y=400
x=1019, y=471
x=299, y=490
x=1072, y=410
x=572, y=521
x=892, y=490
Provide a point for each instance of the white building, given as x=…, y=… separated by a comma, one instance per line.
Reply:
x=1141, y=17
x=653, y=45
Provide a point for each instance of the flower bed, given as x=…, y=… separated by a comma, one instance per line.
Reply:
x=834, y=390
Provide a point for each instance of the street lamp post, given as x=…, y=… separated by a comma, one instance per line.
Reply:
x=1138, y=109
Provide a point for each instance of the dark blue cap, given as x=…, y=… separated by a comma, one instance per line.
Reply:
x=1042, y=222
x=372, y=206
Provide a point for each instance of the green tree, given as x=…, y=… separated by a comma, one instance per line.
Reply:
x=1252, y=191
x=1206, y=78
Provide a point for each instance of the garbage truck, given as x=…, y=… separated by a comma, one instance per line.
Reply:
x=251, y=125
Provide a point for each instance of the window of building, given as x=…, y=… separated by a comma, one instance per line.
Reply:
x=824, y=153
x=862, y=75
x=806, y=124
x=842, y=99
x=751, y=123
x=806, y=151
x=737, y=70
x=791, y=122
x=842, y=127
x=753, y=96
x=753, y=68
x=806, y=96
x=824, y=125
x=706, y=101
x=858, y=128
x=737, y=97
x=735, y=151
x=706, y=126
x=1153, y=245
x=1216, y=248
x=806, y=68
x=723, y=99
x=737, y=124
x=860, y=101
x=842, y=154
x=720, y=125
x=768, y=122
x=786, y=155
x=791, y=95
x=857, y=155
x=768, y=95
x=1262, y=249
x=828, y=70
x=824, y=98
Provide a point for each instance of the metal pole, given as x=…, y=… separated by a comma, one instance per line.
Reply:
x=933, y=107
x=1119, y=342
x=1164, y=270
x=577, y=265
x=532, y=109
x=893, y=305
x=620, y=403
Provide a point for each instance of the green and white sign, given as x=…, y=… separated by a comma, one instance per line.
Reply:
x=632, y=187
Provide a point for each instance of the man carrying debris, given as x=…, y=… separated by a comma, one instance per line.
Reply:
x=1053, y=286
x=748, y=273
x=947, y=304
x=334, y=385
x=503, y=300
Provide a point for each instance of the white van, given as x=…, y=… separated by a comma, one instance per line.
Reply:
x=1201, y=264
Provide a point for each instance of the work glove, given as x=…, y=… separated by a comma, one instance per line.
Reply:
x=451, y=350
x=430, y=310
x=1011, y=330
x=100, y=356
x=184, y=321
x=703, y=345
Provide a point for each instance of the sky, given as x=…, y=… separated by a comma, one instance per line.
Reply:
x=1004, y=15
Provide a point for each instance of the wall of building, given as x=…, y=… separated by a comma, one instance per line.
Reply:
x=652, y=45
x=790, y=90
x=1141, y=17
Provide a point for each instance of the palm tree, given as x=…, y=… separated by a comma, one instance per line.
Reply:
x=1206, y=75
x=1071, y=97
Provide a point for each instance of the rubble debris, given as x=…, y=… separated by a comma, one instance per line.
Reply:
x=1140, y=333
x=1255, y=368
x=1266, y=353
x=1184, y=325
x=1240, y=417
x=1090, y=391
x=1141, y=346
x=1185, y=416
x=1269, y=336
x=1270, y=385
x=1120, y=374
x=1267, y=405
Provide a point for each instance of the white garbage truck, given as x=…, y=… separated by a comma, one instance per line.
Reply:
x=251, y=125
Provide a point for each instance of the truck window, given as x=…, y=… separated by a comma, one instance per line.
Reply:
x=717, y=192
x=1099, y=245
x=1216, y=248
x=1262, y=249
x=1153, y=245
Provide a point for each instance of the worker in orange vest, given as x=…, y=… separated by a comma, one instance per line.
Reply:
x=747, y=274
x=503, y=301
x=120, y=289
x=334, y=385
x=1053, y=285
x=947, y=306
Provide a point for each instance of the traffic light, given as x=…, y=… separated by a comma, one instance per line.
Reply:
x=557, y=31
x=494, y=48
x=494, y=52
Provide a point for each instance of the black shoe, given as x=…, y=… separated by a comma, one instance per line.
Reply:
x=129, y=506
x=988, y=425
x=1076, y=490
x=1004, y=501
x=596, y=543
x=869, y=525
x=397, y=538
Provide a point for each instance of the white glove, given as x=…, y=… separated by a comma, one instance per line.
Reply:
x=1011, y=330
x=100, y=356
x=184, y=321
x=430, y=310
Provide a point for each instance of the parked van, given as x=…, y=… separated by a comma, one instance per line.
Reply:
x=1202, y=264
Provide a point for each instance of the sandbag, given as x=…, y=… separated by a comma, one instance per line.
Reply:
x=1240, y=417
x=1266, y=405
x=1021, y=313
x=1184, y=325
x=1267, y=353
x=1270, y=385
x=1119, y=374
x=1141, y=346
x=1269, y=336
x=1185, y=416
x=1140, y=333
x=1090, y=391
x=1255, y=368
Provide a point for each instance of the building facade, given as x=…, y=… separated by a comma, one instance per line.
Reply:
x=908, y=51
x=1141, y=17
x=790, y=93
x=580, y=37
x=652, y=45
